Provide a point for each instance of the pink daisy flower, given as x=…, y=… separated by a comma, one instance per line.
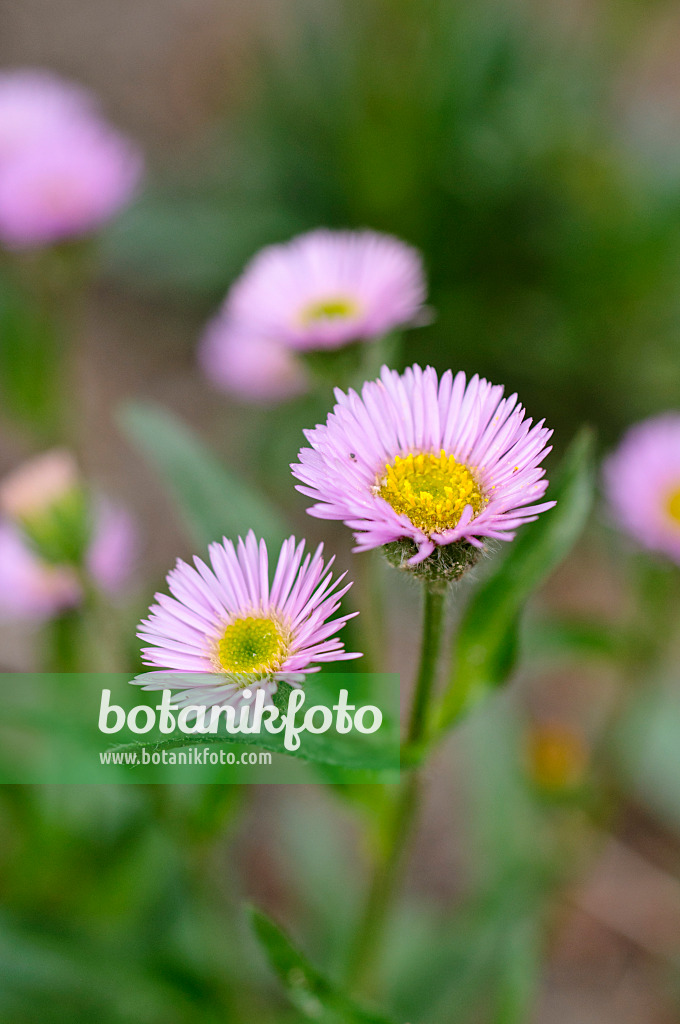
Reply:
x=326, y=289
x=45, y=497
x=113, y=551
x=35, y=590
x=430, y=461
x=226, y=627
x=252, y=367
x=642, y=484
x=68, y=186
x=30, y=589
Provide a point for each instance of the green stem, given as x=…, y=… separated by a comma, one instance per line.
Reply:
x=40, y=308
x=63, y=643
x=99, y=629
x=429, y=656
x=383, y=887
x=84, y=639
x=388, y=869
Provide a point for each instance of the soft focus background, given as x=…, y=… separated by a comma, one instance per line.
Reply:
x=532, y=152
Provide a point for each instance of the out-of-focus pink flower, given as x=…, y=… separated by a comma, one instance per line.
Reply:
x=30, y=588
x=35, y=590
x=39, y=484
x=66, y=187
x=35, y=104
x=113, y=549
x=46, y=515
x=642, y=484
x=326, y=289
x=253, y=367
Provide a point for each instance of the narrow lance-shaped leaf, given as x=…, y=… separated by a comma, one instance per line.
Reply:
x=488, y=636
x=212, y=500
x=577, y=638
x=329, y=749
x=354, y=751
x=314, y=995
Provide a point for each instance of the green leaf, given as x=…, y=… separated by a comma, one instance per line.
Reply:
x=309, y=991
x=488, y=636
x=187, y=245
x=645, y=745
x=353, y=752
x=577, y=639
x=325, y=749
x=212, y=500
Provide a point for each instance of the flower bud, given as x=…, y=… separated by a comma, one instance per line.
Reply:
x=45, y=498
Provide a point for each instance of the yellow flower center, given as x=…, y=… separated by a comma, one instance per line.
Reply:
x=674, y=505
x=252, y=646
x=334, y=308
x=432, y=490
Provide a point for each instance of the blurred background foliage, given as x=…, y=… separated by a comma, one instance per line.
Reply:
x=531, y=152
x=499, y=139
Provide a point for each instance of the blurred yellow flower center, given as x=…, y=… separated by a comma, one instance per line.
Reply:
x=558, y=757
x=432, y=490
x=252, y=645
x=674, y=505
x=328, y=309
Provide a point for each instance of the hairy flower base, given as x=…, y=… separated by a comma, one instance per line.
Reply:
x=445, y=565
x=432, y=490
x=252, y=645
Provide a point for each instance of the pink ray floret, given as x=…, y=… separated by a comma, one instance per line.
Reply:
x=35, y=105
x=252, y=367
